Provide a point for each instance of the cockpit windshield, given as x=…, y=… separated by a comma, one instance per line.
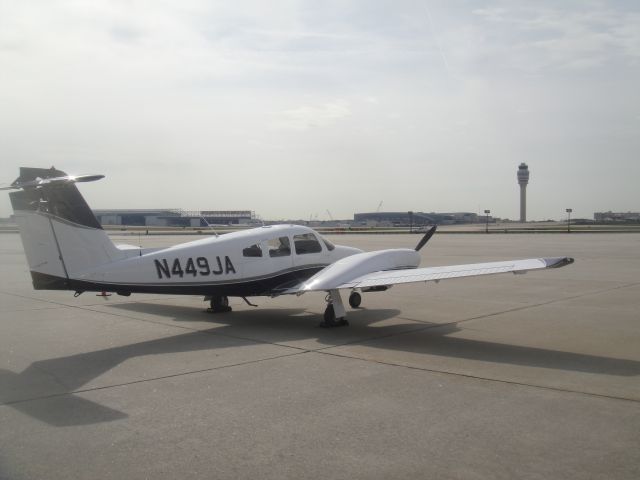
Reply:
x=330, y=246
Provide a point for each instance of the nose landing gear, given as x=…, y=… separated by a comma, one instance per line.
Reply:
x=355, y=299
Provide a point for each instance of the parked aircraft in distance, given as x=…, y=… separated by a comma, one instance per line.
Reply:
x=67, y=249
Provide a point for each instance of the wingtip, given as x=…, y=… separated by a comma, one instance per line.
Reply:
x=558, y=262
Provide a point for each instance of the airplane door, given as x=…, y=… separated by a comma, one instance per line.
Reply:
x=278, y=253
x=254, y=263
x=267, y=258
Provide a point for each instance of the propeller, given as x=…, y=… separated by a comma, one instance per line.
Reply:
x=426, y=238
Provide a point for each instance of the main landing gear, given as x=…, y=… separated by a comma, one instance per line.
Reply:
x=219, y=304
x=330, y=320
x=334, y=313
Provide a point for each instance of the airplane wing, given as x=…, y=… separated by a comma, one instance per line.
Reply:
x=429, y=274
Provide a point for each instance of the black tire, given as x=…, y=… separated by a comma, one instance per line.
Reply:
x=355, y=299
x=220, y=304
x=329, y=314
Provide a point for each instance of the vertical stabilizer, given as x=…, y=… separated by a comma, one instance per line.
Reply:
x=60, y=234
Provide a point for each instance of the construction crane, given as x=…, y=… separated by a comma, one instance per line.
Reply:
x=330, y=216
x=379, y=206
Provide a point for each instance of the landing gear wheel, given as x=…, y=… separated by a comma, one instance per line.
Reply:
x=220, y=304
x=355, y=299
x=330, y=320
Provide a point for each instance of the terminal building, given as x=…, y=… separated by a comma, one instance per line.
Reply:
x=413, y=218
x=617, y=217
x=174, y=217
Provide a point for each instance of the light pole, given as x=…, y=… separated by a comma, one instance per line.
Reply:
x=487, y=212
x=569, y=210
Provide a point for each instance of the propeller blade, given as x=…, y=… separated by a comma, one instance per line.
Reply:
x=426, y=238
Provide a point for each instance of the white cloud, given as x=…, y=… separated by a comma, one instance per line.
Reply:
x=540, y=37
x=311, y=116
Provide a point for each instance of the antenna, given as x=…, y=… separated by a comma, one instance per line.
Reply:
x=209, y=225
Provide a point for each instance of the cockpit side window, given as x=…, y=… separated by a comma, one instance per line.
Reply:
x=279, y=247
x=306, y=243
x=252, y=251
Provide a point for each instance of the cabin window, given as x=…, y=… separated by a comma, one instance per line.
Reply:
x=306, y=243
x=252, y=251
x=279, y=247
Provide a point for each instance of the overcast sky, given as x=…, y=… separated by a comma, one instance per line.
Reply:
x=293, y=108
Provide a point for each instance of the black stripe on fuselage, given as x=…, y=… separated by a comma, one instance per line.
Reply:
x=255, y=287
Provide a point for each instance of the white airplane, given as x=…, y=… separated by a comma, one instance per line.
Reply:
x=67, y=249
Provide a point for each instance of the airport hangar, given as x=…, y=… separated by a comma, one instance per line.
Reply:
x=414, y=218
x=175, y=217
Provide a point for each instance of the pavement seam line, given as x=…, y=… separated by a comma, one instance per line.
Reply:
x=550, y=302
x=145, y=380
x=194, y=330
x=479, y=317
x=170, y=325
x=323, y=350
x=332, y=354
x=485, y=379
x=236, y=337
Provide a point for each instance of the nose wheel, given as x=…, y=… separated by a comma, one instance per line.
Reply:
x=355, y=299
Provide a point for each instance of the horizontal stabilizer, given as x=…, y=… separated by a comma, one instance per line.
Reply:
x=42, y=182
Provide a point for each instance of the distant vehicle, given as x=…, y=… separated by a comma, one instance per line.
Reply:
x=67, y=249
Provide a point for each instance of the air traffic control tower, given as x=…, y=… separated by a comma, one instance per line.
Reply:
x=523, y=180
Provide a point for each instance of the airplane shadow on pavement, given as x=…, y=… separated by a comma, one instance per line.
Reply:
x=49, y=390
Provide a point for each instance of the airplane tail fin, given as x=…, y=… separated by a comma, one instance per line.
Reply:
x=60, y=234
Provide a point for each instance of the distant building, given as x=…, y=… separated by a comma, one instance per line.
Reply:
x=617, y=217
x=415, y=218
x=140, y=217
x=173, y=217
x=228, y=217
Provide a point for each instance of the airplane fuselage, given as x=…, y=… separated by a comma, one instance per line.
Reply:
x=259, y=261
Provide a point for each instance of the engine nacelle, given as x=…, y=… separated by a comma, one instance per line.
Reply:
x=355, y=266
